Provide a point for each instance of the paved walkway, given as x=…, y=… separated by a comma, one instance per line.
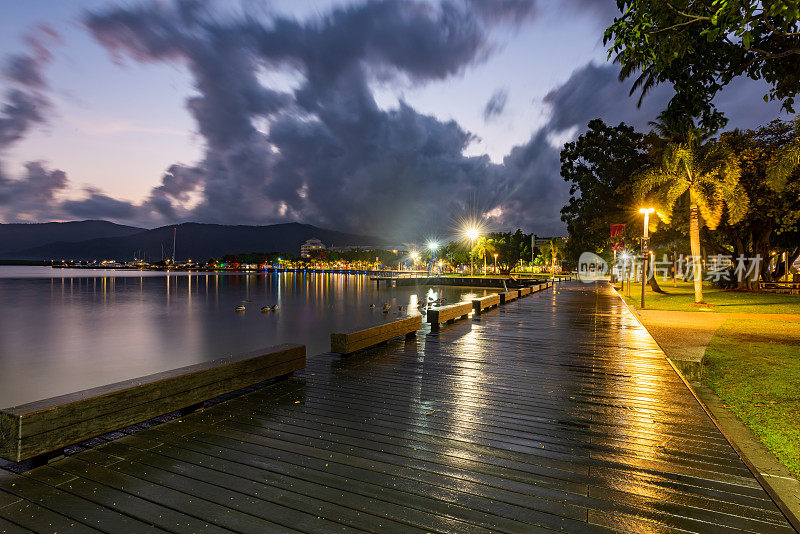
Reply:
x=554, y=412
x=682, y=335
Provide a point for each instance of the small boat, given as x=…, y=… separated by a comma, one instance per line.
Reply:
x=275, y=307
x=386, y=308
x=265, y=309
x=240, y=308
x=372, y=306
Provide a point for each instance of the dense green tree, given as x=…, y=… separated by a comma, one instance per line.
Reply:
x=509, y=247
x=704, y=175
x=552, y=251
x=699, y=46
x=598, y=166
x=772, y=221
x=483, y=247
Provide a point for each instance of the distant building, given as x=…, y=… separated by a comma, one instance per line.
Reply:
x=308, y=246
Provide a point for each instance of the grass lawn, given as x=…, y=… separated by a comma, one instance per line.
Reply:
x=754, y=366
x=681, y=298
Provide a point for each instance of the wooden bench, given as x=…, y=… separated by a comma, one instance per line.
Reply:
x=448, y=313
x=489, y=301
x=349, y=342
x=508, y=296
x=42, y=427
x=524, y=291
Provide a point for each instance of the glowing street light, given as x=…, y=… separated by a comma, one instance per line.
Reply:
x=432, y=246
x=414, y=258
x=472, y=234
x=645, y=247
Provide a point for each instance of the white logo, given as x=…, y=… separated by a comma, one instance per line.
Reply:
x=591, y=267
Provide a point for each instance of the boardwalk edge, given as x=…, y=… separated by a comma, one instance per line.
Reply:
x=776, y=480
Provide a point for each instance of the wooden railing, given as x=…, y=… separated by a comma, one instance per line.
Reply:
x=349, y=342
x=448, y=313
x=45, y=426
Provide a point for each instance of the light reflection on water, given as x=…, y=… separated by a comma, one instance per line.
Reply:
x=63, y=330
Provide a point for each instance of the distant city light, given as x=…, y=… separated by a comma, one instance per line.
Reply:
x=433, y=245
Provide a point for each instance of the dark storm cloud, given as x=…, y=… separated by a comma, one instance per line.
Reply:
x=24, y=106
x=20, y=111
x=32, y=193
x=330, y=155
x=25, y=70
x=505, y=11
x=496, y=104
x=97, y=205
x=321, y=150
x=594, y=91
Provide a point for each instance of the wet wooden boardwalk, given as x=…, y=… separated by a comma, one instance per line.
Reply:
x=554, y=412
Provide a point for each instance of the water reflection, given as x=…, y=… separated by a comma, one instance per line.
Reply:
x=66, y=330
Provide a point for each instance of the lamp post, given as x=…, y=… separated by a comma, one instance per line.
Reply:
x=495, y=263
x=645, y=247
x=432, y=246
x=472, y=234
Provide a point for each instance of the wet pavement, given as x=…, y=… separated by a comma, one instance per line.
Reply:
x=554, y=412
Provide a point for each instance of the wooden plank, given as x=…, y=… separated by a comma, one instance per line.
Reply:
x=349, y=342
x=46, y=425
x=488, y=301
x=449, y=313
x=48, y=441
x=508, y=296
x=562, y=416
x=524, y=291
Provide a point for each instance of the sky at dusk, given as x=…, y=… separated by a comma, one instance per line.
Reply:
x=394, y=118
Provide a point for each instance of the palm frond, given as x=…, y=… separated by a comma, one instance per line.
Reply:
x=782, y=165
x=709, y=202
x=737, y=202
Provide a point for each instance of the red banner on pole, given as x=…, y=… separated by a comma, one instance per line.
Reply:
x=617, y=239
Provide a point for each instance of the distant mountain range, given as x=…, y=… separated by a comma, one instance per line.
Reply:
x=98, y=240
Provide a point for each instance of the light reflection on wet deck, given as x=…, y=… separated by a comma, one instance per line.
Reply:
x=557, y=411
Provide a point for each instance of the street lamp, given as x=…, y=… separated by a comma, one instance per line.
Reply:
x=432, y=246
x=495, y=263
x=645, y=247
x=472, y=235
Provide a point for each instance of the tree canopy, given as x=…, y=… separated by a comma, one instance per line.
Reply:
x=699, y=46
x=598, y=166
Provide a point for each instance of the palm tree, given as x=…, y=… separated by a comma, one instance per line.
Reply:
x=784, y=162
x=708, y=174
x=555, y=249
x=483, y=247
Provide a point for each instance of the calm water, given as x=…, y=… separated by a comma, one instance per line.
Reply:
x=63, y=330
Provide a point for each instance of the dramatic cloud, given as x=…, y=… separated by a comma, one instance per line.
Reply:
x=329, y=155
x=321, y=150
x=26, y=197
x=24, y=106
x=496, y=104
